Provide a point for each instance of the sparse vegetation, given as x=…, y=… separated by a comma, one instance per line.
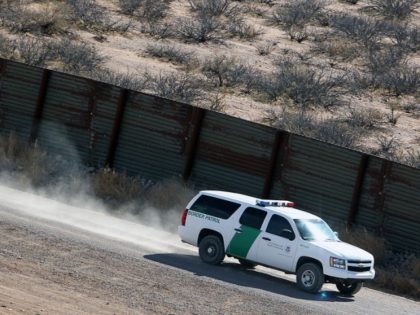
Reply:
x=199, y=30
x=393, y=9
x=173, y=53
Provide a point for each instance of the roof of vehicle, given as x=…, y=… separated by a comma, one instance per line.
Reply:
x=290, y=212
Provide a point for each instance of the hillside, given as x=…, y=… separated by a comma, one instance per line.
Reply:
x=345, y=72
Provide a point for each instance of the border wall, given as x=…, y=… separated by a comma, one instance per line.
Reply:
x=158, y=138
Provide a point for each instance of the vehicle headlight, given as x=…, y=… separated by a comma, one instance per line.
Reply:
x=337, y=263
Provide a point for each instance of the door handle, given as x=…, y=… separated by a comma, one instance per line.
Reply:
x=266, y=239
x=238, y=230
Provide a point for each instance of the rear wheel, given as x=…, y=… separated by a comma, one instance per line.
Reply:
x=247, y=264
x=310, y=278
x=211, y=250
x=349, y=288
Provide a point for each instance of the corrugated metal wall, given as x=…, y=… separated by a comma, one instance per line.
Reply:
x=144, y=135
x=19, y=88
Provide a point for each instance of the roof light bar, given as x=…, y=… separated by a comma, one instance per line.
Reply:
x=274, y=203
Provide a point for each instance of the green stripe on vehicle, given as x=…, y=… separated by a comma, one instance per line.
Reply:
x=241, y=242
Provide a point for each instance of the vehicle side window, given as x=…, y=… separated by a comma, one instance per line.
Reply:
x=216, y=207
x=277, y=224
x=253, y=217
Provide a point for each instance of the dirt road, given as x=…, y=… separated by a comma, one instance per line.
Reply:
x=58, y=259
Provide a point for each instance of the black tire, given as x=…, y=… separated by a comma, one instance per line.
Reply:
x=247, y=264
x=349, y=288
x=310, y=278
x=211, y=250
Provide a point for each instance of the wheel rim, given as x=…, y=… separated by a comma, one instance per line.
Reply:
x=211, y=251
x=308, y=278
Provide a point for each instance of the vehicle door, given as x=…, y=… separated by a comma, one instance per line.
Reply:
x=277, y=246
x=247, y=230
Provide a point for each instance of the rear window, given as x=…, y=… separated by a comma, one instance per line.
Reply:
x=216, y=207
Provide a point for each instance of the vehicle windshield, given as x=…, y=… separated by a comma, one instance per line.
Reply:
x=315, y=230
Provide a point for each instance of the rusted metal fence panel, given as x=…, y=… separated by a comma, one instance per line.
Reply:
x=232, y=154
x=320, y=177
x=401, y=223
x=152, y=137
x=19, y=89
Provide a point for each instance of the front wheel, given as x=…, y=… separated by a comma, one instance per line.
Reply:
x=211, y=250
x=310, y=278
x=349, y=288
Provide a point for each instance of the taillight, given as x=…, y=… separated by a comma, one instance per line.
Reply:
x=184, y=216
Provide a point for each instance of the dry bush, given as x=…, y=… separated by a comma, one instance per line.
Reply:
x=214, y=102
x=168, y=194
x=76, y=57
x=367, y=118
x=298, y=33
x=33, y=51
x=200, y=30
x=173, y=53
x=116, y=187
x=238, y=27
x=393, y=9
x=129, y=6
x=336, y=47
x=127, y=80
x=228, y=71
x=159, y=30
x=297, y=13
x=89, y=14
x=209, y=8
x=266, y=48
x=153, y=10
x=176, y=86
x=6, y=47
x=305, y=85
x=364, y=30
x=18, y=18
x=404, y=36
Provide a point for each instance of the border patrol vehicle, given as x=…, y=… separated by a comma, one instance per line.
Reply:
x=273, y=233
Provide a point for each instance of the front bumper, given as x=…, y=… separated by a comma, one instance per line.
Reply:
x=345, y=274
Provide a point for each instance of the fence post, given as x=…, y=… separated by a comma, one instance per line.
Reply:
x=197, y=116
x=272, y=165
x=122, y=101
x=39, y=107
x=361, y=172
x=380, y=197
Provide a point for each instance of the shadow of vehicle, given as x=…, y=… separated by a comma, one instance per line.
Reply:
x=236, y=274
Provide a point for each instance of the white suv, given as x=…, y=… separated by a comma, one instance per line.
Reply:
x=274, y=234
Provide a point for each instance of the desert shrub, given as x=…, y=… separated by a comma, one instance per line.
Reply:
x=214, y=102
x=6, y=47
x=298, y=33
x=362, y=29
x=305, y=85
x=336, y=47
x=393, y=9
x=159, y=30
x=199, y=30
x=228, y=71
x=129, y=6
x=411, y=158
x=351, y=1
x=179, y=87
x=89, y=14
x=209, y=8
x=173, y=53
x=116, y=187
x=404, y=36
x=33, y=51
x=297, y=13
x=153, y=10
x=238, y=27
x=265, y=48
x=128, y=80
x=18, y=18
x=75, y=56
x=366, y=118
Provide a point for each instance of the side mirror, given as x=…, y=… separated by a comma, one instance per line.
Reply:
x=286, y=233
x=336, y=233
